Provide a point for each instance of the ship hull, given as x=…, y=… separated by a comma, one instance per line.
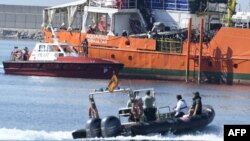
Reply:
x=62, y=69
x=224, y=59
x=180, y=75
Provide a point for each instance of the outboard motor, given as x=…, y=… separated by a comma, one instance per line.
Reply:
x=93, y=128
x=111, y=126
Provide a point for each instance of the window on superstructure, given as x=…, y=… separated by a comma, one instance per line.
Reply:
x=60, y=19
x=100, y=22
x=56, y=48
x=119, y=4
x=180, y=5
x=50, y=48
x=66, y=49
x=42, y=48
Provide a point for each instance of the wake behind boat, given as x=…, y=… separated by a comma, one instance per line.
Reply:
x=59, y=60
x=165, y=122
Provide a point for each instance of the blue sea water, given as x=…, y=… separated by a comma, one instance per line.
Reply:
x=50, y=108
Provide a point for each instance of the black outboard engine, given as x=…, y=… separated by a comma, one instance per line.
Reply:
x=111, y=126
x=93, y=128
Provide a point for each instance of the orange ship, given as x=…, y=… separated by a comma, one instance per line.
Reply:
x=159, y=39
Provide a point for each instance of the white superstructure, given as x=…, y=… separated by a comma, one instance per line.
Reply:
x=111, y=17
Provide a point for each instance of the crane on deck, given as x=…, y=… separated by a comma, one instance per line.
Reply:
x=230, y=11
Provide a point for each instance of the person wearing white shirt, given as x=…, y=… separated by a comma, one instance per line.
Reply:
x=181, y=107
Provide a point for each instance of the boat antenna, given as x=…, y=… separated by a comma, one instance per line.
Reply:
x=80, y=30
x=130, y=84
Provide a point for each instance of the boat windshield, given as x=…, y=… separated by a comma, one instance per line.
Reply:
x=52, y=48
x=69, y=50
x=48, y=48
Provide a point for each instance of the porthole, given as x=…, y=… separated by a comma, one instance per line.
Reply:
x=130, y=58
x=236, y=66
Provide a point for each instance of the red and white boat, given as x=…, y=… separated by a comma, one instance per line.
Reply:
x=60, y=60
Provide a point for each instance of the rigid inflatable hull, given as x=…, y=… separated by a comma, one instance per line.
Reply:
x=173, y=125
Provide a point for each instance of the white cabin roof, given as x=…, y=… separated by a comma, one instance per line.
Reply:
x=80, y=2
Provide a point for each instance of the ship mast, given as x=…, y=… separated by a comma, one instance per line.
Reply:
x=249, y=6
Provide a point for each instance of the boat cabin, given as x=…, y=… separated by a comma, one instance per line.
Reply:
x=108, y=17
x=51, y=51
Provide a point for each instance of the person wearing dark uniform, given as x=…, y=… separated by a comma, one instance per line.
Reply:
x=196, y=108
x=91, y=30
x=85, y=47
x=124, y=33
x=25, y=52
x=149, y=109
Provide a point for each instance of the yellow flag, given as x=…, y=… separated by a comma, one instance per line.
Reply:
x=113, y=83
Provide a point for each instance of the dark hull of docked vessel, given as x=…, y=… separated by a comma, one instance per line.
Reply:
x=111, y=126
x=83, y=68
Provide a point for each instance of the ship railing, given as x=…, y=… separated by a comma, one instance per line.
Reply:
x=169, y=45
x=117, y=4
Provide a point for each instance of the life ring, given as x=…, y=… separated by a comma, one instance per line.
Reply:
x=18, y=55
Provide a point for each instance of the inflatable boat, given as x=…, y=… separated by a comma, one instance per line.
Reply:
x=112, y=126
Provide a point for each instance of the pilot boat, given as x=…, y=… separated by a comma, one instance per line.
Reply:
x=58, y=59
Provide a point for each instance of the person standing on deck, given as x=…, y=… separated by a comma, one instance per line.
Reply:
x=90, y=30
x=13, y=53
x=149, y=109
x=135, y=103
x=85, y=47
x=136, y=110
x=25, y=52
x=124, y=33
